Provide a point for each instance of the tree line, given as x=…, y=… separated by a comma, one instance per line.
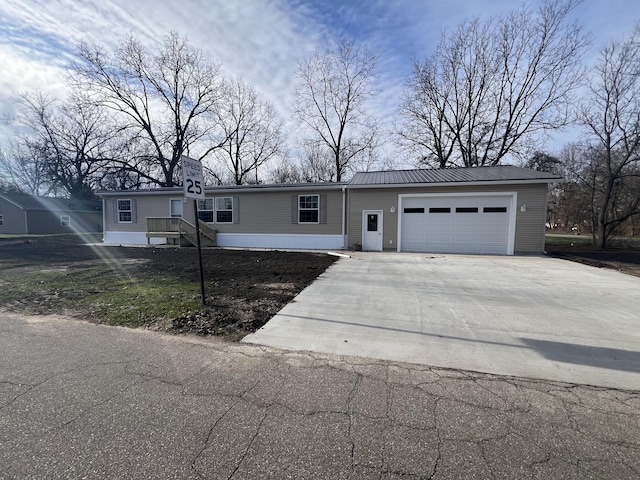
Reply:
x=488, y=94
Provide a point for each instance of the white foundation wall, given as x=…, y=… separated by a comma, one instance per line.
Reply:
x=129, y=238
x=240, y=240
x=310, y=242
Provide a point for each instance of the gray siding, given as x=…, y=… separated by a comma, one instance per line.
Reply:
x=13, y=218
x=530, y=228
x=529, y=235
x=259, y=212
x=144, y=206
x=45, y=222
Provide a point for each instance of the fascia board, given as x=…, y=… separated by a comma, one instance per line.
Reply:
x=456, y=184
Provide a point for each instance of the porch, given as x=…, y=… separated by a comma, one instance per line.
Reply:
x=179, y=229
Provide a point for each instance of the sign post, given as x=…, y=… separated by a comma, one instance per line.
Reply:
x=193, y=182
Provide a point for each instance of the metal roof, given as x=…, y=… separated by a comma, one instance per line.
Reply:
x=502, y=173
x=497, y=174
x=34, y=202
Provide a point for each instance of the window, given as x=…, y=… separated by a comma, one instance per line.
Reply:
x=308, y=208
x=467, y=210
x=495, y=209
x=205, y=210
x=125, y=212
x=1, y=220
x=176, y=207
x=372, y=222
x=224, y=210
x=439, y=210
x=414, y=210
x=65, y=220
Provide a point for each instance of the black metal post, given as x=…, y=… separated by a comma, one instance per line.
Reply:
x=197, y=222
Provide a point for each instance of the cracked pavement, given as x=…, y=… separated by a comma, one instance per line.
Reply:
x=79, y=400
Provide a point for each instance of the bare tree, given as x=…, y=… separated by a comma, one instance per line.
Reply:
x=252, y=131
x=490, y=87
x=71, y=143
x=318, y=164
x=285, y=171
x=22, y=168
x=332, y=94
x=611, y=116
x=168, y=99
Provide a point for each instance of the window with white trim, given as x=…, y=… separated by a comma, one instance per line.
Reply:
x=125, y=211
x=308, y=208
x=205, y=210
x=224, y=209
x=65, y=220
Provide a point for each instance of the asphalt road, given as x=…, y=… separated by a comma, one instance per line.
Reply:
x=85, y=401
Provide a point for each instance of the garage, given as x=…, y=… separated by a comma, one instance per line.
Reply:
x=472, y=224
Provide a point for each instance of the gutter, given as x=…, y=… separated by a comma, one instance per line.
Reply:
x=456, y=184
x=225, y=189
x=344, y=215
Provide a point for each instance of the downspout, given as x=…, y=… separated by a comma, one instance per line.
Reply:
x=344, y=208
x=26, y=221
x=104, y=218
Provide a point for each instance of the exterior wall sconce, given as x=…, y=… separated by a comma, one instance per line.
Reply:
x=523, y=207
x=392, y=209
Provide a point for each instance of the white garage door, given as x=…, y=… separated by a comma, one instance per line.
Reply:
x=473, y=224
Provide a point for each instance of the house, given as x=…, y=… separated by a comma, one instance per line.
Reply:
x=484, y=210
x=30, y=214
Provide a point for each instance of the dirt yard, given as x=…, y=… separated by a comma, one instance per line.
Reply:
x=244, y=289
x=624, y=260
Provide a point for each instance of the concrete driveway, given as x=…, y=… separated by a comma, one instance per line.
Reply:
x=531, y=317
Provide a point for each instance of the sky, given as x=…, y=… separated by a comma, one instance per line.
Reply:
x=261, y=41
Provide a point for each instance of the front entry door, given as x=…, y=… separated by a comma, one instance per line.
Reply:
x=372, y=230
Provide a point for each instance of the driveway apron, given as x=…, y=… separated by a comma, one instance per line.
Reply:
x=524, y=316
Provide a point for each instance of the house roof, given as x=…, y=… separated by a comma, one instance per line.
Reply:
x=218, y=188
x=34, y=202
x=498, y=174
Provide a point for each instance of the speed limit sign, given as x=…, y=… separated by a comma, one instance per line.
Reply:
x=192, y=178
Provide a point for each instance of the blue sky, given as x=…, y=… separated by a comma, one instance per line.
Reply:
x=260, y=40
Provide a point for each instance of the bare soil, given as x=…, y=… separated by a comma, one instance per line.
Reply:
x=244, y=288
x=624, y=260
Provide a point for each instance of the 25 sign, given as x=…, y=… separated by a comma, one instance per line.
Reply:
x=192, y=178
x=193, y=187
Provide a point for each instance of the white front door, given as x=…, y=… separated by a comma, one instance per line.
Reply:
x=372, y=230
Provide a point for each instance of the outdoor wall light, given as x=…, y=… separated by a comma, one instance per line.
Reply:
x=523, y=207
x=392, y=209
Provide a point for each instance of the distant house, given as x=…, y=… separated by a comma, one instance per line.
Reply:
x=31, y=214
x=485, y=210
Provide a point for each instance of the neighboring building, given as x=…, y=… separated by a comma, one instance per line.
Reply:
x=485, y=210
x=30, y=214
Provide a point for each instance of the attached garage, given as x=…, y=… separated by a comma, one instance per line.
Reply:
x=457, y=223
x=497, y=210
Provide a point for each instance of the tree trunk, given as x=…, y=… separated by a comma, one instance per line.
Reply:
x=601, y=237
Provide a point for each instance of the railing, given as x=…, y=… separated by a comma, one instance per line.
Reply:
x=177, y=227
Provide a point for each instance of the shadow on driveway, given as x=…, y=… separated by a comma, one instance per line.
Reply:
x=612, y=358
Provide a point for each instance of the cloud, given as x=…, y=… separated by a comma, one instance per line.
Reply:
x=260, y=40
